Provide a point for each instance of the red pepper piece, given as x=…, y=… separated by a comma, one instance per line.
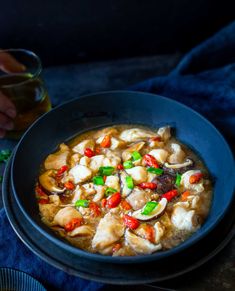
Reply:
x=95, y=210
x=156, y=138
x=114, y=200
x=62, y=170
x=69, y=185
x=43, y=201
x=116, y=247
x=150, y=233
x=106, y=142
x=195, y=178
x=75, y=222
x=170, y=195
x=185, y=195
x=97, y=150
x=150, y=161
x=89, y=152
x=103, y=202
x=120, y=167
x=130, y=221
x=148, y=185
x=125, y=205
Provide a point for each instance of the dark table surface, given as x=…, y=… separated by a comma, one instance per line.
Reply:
x=68, y=82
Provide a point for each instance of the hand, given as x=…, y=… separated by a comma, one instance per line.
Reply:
x=8, y=64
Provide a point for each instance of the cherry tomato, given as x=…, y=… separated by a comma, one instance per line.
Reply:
x=114, y=200
x=89, y=152
x=130, y=221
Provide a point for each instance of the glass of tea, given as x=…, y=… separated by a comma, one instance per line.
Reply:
x=25, y=88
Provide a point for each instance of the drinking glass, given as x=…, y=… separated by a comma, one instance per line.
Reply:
x=24, y=86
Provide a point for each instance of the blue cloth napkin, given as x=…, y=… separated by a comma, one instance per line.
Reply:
x=205, y=81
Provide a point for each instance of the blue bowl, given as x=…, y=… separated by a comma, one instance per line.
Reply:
x=11, y=279
x=108, y=108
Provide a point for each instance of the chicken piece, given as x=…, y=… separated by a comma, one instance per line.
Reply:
x=159, y=232
x=84, y=161
x=125, y=191
x=113, y=182
x=109, y=230
x=140, y=245
x=113, y=159
x=88, y=189
x=100, y=190
x=83, y=230
x=138, y=198
x=184, y=219
x=139, y=174
x=160, y=155
x=135, y=134
x=48, y=211
x=194, y=188
x=58, y=159
x=65, y=215
x=178, y=154
x=106, y=131
x=87, y=143
x=96, y=162
x=126, y=154
x=164, y=133
x=74, y=159
x=80, y=173
x=115, y=142
x=156, y=144
x=77, y=194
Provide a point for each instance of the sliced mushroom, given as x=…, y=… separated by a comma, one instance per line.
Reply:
x=156, y=212
x=135, y=134
x=83, y=230
x=126, y=154
x=188, y=162
x=139, y=244
x=49, y=183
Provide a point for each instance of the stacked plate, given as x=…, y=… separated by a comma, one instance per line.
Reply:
x=104, y=109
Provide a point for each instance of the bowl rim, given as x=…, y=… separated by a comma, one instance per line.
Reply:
x=125, y=259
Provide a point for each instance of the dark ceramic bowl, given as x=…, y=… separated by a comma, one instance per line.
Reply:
x=103, y=109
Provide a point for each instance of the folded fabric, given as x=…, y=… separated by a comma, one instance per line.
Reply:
x=204, y=80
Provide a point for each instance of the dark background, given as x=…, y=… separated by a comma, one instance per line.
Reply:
x=70, y=31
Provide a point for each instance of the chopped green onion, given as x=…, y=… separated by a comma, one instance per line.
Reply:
x=98, y=180
x=106, y=171
x=136, y=156
x=110, y=191
x=149, y=207
x=128, y=165
x=177, y=180
x=156, y=171
x=129, y=182
x=5, y=155
x=82, y=202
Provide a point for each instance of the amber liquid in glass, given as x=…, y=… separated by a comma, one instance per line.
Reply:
x=30, y=98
